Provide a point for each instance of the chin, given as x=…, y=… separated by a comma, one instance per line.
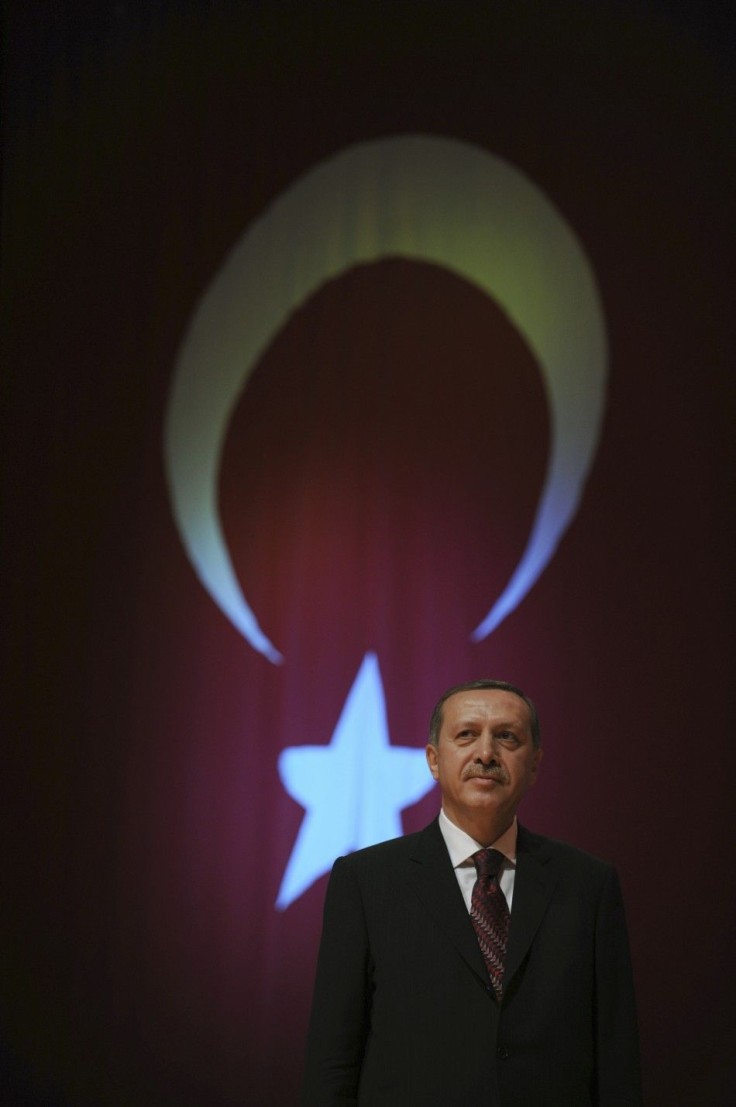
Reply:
x=484, y=803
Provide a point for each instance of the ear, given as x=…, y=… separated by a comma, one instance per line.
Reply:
x=535, y=765
x=431, y=752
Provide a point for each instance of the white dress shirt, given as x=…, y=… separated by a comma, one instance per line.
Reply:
x=461, y=848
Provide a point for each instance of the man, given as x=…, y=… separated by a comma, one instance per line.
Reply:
x=453, y=975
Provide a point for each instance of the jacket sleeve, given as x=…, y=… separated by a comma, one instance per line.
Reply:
x=618, y=1074
x=340, y=1015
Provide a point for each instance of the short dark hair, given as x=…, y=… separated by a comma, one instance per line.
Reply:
x=435, y=723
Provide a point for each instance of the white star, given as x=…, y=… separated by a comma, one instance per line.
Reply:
x=353, y=789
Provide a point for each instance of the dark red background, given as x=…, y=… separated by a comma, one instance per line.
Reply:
x=378, y=483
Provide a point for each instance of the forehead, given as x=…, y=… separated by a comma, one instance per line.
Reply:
x=485, y=705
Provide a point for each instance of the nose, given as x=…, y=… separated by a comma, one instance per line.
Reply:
x=487, y=748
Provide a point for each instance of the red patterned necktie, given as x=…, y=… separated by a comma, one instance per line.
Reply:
x=489, y=913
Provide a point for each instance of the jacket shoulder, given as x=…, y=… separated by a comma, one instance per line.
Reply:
x=395, y=850
x=566, y=855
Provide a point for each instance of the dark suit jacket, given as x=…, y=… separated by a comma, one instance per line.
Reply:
x=404, y=1014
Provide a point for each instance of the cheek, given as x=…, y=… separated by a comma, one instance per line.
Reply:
x=457, y=769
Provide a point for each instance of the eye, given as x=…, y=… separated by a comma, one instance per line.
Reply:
x=509, y=737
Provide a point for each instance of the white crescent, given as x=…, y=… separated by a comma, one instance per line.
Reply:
x=416, y=197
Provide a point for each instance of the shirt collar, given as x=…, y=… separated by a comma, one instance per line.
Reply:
x=461, y=846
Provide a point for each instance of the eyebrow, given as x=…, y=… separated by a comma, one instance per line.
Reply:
x=467, y=722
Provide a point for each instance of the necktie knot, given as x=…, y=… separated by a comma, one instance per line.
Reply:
x=488, y=862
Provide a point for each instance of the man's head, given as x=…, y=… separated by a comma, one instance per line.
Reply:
x=435, y=723
x=484, y=751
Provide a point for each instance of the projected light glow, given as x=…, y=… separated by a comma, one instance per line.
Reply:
x=424, y=198
x=432, y=200
x=353, y=789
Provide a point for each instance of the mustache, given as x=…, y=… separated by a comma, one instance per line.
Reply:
x=493, y=772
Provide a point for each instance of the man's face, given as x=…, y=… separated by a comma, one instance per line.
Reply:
x=485, y=760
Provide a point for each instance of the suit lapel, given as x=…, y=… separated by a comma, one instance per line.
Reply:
x=536, y=877
x=433, y=879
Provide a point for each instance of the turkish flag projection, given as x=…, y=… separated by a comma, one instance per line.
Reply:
x=377, y=485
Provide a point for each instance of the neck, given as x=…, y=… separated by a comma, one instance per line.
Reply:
x=483, y=829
